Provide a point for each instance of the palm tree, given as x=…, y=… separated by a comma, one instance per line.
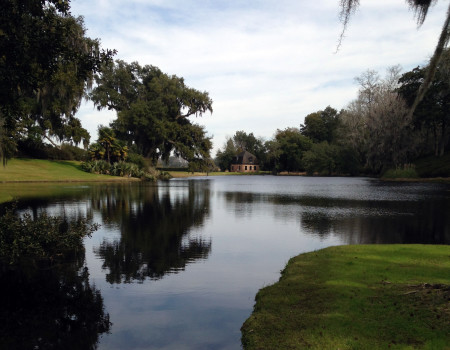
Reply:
x=106, y=138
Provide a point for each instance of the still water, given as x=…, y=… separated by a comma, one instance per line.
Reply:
x=177, y=264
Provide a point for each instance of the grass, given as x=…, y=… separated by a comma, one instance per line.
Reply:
x=27, y=170
x=44, y=174
x=356, y=297
x=405, y=173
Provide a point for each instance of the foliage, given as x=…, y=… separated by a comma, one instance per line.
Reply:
x=35, y=148
x=153, y=111
x=41, y=238
x=408, y=171
x=137, y=159
x=321, y=158
x=225, y=156
x=47, y=63
x=377, y=126
x=432, y=115
x=241, y=141
x=96, y=167
x=291, y=145
x=321, y=126
x=202, y=165
x=163, y=175
x=433, y=166
x=341, y=297
x=123, y=169
x=108, y=147
x=391, y=141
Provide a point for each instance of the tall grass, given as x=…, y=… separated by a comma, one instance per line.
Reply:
x=408, y=171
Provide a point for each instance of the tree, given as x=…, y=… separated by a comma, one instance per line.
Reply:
x=291, y=147
x=353, y=132
x=108, y=147
x=377, y=125
x=241, y=141
x=432, y=115
x=321, y=126
x=420, y=7
x=320, y=158
x=246, y=142
x=47, y=63
x=250, y=143
x=273, y=153
x=225, y=156
x=391, y=141
x=153, y=111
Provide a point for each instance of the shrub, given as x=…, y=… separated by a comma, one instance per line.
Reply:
x=37, y=149
x=137, y=159
x=119, y=169
x=73, y=152
x=434, y=166
x=407, y=172
x=164, y=175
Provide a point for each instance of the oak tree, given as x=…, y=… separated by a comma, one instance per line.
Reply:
x=153, y=110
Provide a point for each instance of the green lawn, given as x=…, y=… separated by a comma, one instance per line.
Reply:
x=19, y=171
x=356, y=297
x=26, y=170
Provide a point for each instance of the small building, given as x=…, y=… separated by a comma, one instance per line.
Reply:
x=244, y=162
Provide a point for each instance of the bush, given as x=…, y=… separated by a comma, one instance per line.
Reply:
x=96, y=167
x=73, y=152
x=434, y=166
x=137, y=159
x=164, y=175
x=37, y=149
x=117, y=169
x=43, y=238
x=407, y=172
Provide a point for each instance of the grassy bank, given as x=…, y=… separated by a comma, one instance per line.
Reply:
x=44, y=174
x=27, y=170
x=356, y=297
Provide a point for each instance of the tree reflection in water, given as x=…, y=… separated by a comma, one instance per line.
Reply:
x=50, y=307
x=423, y=219
x=155, y=225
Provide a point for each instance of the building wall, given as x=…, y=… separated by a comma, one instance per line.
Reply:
x=244, y=168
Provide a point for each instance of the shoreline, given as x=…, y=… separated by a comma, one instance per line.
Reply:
x=356, y=297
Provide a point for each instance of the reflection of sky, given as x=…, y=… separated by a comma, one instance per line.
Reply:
x=255, y=224
x=204, y=306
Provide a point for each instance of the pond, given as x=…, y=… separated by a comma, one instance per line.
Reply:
x=176, y=265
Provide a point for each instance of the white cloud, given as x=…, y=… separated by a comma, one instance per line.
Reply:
x=265, y=64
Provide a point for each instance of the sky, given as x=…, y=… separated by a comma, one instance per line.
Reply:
x=266, y=64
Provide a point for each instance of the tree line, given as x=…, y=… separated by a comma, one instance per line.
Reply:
x=374, y=133
x=48, y=65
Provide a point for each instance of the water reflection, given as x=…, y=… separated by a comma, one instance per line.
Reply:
x=154, y=224
x=256, y=223
x=50, y=307
x=374, y=213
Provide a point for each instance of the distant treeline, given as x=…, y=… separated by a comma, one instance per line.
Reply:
x=373, y=134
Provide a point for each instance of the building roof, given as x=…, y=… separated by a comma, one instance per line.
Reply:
x=245, y=158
